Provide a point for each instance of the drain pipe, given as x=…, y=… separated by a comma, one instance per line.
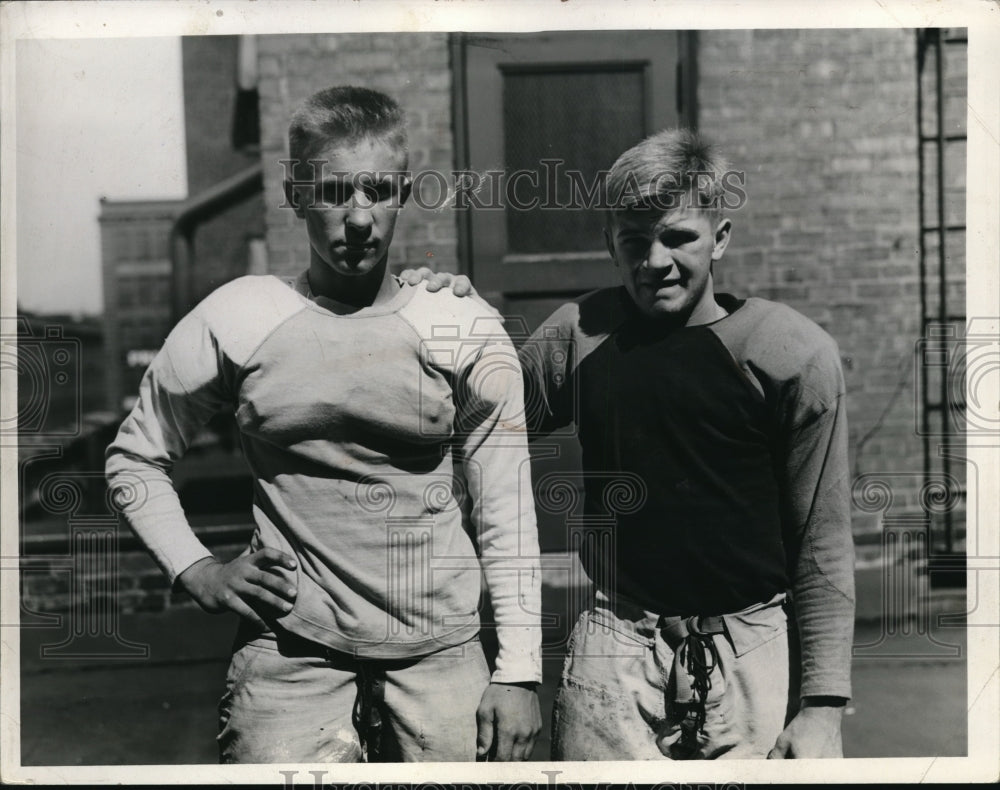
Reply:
x=195, y=211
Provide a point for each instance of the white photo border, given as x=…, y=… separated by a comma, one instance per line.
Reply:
x=20, y=20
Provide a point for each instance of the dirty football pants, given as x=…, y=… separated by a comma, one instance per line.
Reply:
x=618, y=682
x=306, y=704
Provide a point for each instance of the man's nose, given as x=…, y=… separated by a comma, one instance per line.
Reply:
x=659, y=256
x=359, y=216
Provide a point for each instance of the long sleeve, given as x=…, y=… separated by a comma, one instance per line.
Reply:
x=817, y=517
x=547, y=358
x=496, y=467
x=179, y=393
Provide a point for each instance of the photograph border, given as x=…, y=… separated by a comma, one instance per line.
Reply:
x=20, y=20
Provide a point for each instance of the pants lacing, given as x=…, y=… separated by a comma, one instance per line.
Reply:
x=366, y=715
x=695, y=658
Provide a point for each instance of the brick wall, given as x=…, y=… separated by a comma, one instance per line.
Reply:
x=57, y=580
x=221, y=244
x=824, y=124
x=412, y=68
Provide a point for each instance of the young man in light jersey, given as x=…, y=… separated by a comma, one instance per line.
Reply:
x=382, y=424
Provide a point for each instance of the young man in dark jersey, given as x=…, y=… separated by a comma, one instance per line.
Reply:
x=731, y=413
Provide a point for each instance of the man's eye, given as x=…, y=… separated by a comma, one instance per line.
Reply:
x=677, y=238
x=379, y=192
x=336, y=194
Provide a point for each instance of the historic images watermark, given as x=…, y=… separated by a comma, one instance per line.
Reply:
x=548, y=778
x=49, y=381
x=552, y=188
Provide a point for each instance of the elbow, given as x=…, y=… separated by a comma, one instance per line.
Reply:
x=112, y=463
x=128, y=475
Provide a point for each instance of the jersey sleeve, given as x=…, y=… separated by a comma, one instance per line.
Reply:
x=547, y=359
x=180, y=391
x=496, y=467
x=815, y=491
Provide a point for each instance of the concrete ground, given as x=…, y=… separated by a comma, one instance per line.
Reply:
x=910, y=690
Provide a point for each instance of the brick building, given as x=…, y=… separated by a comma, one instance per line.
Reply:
x=221, y=129
x=137, y=284
x=823, y=122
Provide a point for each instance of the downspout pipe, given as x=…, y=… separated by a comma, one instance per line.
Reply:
x=195, y=211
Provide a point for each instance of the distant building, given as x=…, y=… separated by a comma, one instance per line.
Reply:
x=137, y=282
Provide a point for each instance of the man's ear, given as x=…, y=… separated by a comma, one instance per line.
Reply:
x=611, y=245
x=293, y=199
x=723, y=233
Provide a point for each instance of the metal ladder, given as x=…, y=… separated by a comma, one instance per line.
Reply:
x=941, y=391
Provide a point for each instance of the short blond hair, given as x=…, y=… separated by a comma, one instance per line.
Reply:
x=345, y=114
x=665, y=165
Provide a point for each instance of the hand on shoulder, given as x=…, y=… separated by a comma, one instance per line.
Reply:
x=459, y=284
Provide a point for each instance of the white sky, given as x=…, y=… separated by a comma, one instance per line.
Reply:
x=94, y=117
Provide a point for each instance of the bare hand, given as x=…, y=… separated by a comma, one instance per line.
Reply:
x=509, y=720
x=460, y=284
x=249, y=585
x=814, y=732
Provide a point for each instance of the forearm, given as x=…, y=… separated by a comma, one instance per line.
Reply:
x=146, y=496
x=497, y=470
x=508, y=543
x=817, y=514
x=153, y=436
x=515, y=593
x=825, y=619
x=823, y=571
